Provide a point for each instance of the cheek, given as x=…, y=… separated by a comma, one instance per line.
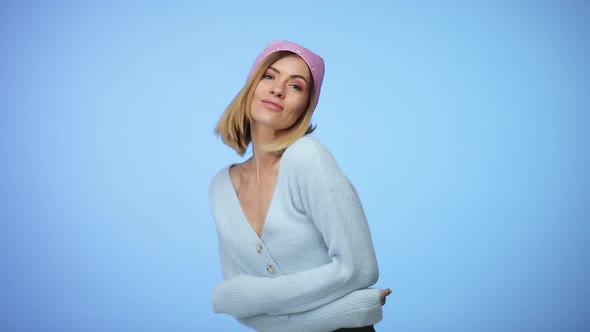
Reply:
x=258, y=89
x=298, y=113
x=301, y=109
x=301, y=105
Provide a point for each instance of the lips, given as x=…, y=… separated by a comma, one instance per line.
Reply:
x=272, y=105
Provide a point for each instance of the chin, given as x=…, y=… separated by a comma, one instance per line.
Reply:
x=266, y=120
x=270, y=124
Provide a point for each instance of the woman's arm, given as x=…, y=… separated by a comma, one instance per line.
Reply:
x=359, y=308
x=331, y=202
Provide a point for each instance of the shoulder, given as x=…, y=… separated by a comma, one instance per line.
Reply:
x=309, y=156
x=218, y=180
x=306, y=149
x=306, y=142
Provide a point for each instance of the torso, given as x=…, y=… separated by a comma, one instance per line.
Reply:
x=255, y=195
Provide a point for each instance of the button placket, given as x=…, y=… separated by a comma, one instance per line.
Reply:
x=270, y=268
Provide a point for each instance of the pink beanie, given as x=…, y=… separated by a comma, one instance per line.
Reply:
x=314, y=62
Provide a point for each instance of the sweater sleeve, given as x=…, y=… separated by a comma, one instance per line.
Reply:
x=359, y=308
x=332, y=203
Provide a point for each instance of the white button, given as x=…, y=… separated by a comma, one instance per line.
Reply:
x=259, y=248
x=270, y=269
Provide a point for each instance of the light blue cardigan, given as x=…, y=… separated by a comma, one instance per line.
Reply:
x=311, y=269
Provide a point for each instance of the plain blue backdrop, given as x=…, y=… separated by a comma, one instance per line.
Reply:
x=464, y=126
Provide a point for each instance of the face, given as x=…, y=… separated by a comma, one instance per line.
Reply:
x=282, y=95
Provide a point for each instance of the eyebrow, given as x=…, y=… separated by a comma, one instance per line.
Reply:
x=292, y=76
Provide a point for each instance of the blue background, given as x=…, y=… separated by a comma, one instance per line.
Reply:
x=463, y=125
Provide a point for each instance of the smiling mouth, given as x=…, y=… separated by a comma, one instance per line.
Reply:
x=272, y=105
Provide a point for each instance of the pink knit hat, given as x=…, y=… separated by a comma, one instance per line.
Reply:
x=314, y=62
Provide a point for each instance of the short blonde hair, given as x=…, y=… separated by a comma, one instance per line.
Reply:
x=234, y=125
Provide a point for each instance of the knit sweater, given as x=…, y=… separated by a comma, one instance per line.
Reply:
x=312, y=267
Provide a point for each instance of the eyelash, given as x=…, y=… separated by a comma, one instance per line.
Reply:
x=295, y=86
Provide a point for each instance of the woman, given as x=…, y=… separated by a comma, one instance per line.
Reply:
x=295, y=247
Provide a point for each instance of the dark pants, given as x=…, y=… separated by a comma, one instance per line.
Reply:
x=357, y=329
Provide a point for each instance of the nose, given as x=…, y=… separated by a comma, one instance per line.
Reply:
x=277, y=90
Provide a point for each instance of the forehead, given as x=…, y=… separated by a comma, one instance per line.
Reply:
x=292, y=65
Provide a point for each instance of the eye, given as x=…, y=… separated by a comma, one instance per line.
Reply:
x=296, y=87
x=267, y=77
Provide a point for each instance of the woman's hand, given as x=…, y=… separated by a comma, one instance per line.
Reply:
x=384, y=294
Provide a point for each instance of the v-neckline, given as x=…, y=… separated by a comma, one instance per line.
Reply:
x=239, y=204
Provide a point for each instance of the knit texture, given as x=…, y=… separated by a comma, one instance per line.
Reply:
x=311, y=268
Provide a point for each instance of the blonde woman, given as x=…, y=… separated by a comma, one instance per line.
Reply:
x=295, y=247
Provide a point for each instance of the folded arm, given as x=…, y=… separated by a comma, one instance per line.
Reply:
x=359, y=308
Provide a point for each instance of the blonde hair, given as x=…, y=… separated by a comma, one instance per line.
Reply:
x=234, y=125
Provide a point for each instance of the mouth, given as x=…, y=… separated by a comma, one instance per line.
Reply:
x=272, y=105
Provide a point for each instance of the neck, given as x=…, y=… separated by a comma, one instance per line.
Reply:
x=261, y=159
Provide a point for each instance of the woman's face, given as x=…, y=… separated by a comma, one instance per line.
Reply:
x=282, y=94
